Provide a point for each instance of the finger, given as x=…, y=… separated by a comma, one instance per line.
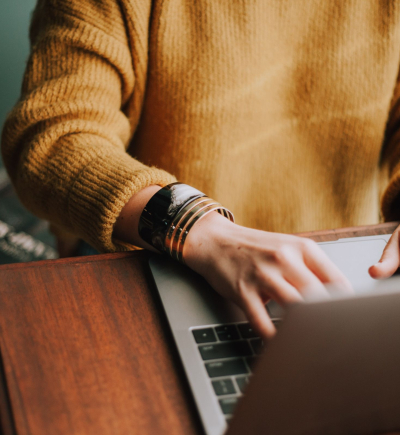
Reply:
x=308, y=285
x=281, y=291
x=325, y=270
x=254, y=308
x=389, y=261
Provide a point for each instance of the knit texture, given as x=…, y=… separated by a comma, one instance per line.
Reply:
x=276, y=109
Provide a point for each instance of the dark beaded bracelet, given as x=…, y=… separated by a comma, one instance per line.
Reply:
x=161, y=210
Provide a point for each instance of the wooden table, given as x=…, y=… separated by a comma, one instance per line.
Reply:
x=86, y=349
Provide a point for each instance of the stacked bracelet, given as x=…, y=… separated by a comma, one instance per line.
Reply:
x=171, y=213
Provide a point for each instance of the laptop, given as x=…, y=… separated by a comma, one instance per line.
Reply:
x=218, y=348
x=341, y=377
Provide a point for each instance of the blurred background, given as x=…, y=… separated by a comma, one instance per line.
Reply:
x=23, y=237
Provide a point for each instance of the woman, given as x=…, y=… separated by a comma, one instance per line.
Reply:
x=278, y=110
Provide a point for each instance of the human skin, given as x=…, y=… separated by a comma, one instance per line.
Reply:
x=251, y=266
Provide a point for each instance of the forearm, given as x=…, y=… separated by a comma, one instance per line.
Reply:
x=127, y=223
x=64, y=144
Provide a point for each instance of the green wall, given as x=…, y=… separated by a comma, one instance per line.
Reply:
x=23, y=237
x=14, y=49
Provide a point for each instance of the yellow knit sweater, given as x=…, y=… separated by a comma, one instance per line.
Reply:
x=277, y=109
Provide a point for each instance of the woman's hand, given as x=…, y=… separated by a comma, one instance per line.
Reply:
x=247, y=266
x=390, y=259
x=250, y=267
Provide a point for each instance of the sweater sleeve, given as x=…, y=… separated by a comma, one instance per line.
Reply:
x=390, y=160
x=64, y=144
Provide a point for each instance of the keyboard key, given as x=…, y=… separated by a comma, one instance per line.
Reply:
x=226, y=368
x=206, y=335
x=242, y=381
x=225, y=350
x=227, y=332
x=223, y=386
x=246, y=331
x=257, y=345
x=228, y=404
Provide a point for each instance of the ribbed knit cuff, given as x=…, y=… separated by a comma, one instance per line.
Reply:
x=101, y=191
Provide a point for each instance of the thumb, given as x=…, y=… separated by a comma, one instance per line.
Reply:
x=390, y=259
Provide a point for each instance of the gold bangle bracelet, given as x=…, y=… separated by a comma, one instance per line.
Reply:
x=184, y=220
x=180, y=220
x=183, y=226
x=190, y=224
x=174, y=226
x=183, y=223
x=179, y=247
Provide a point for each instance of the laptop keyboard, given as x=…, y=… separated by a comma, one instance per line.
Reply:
x=228, y=352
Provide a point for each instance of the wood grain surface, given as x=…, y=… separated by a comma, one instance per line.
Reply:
x=342, y=233
x=86, y=348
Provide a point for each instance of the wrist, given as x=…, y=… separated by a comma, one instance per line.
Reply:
x=205, y=238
